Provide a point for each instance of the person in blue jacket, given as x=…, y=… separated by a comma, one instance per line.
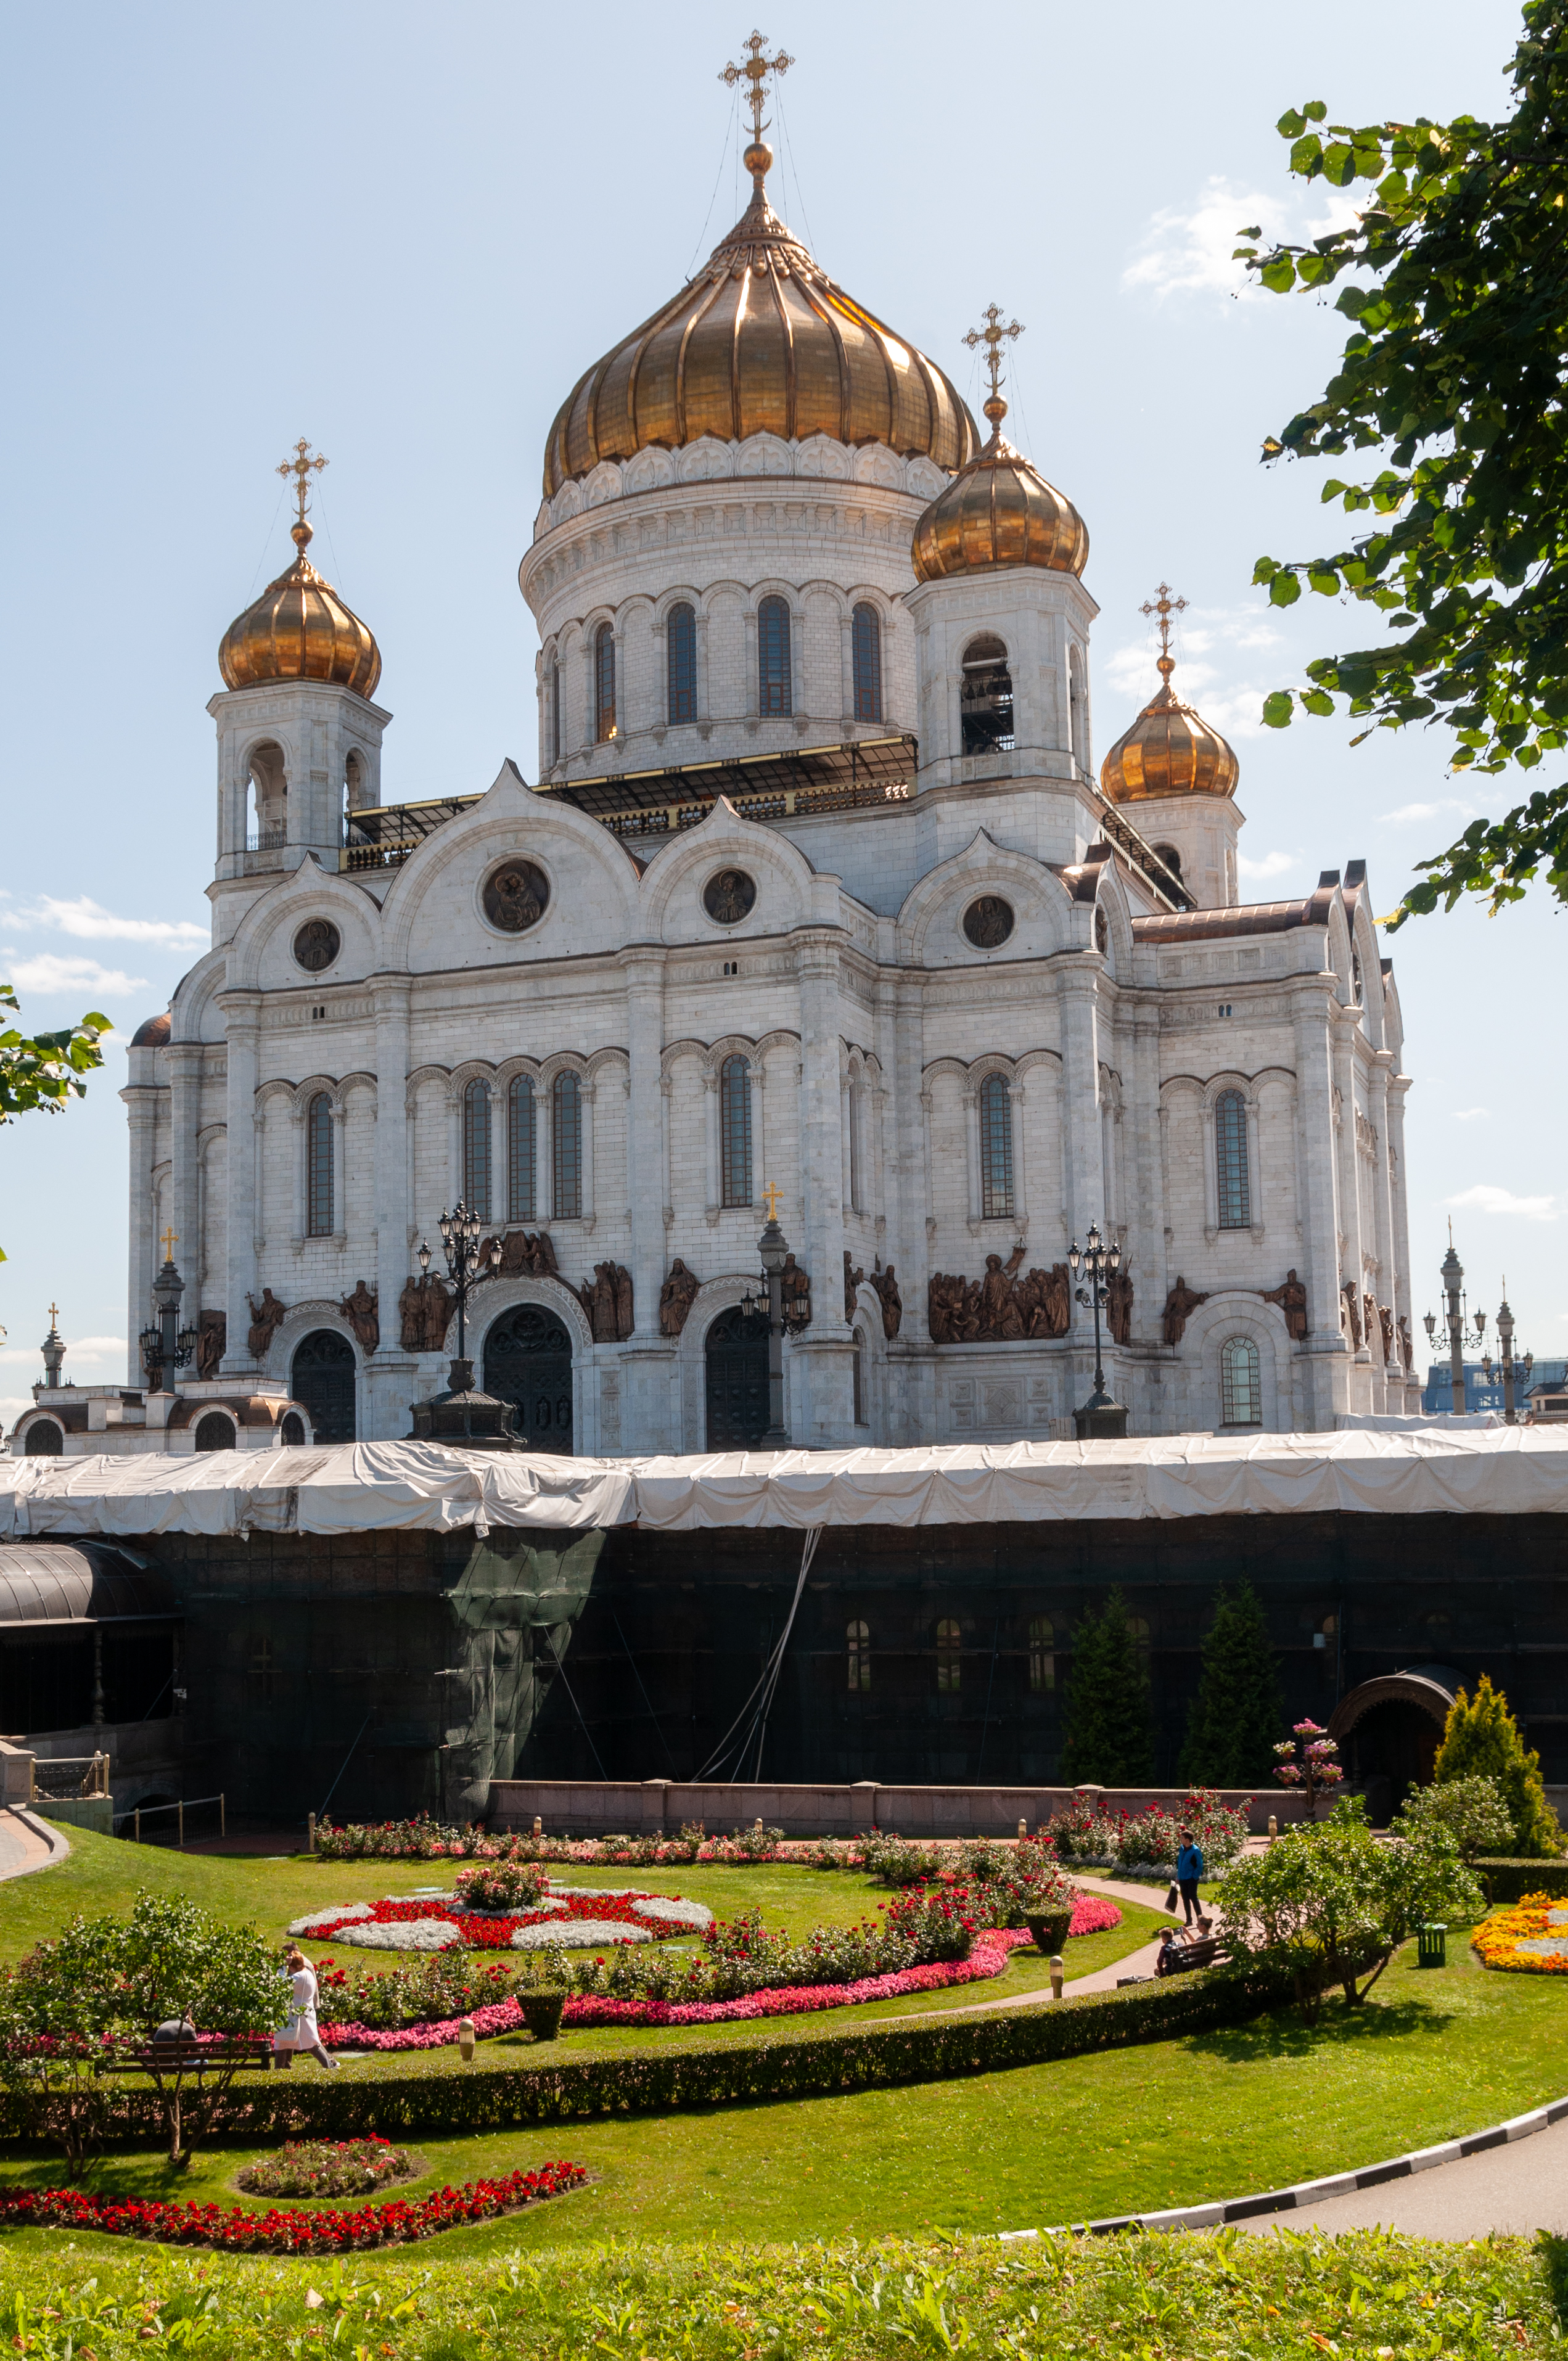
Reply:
x=1189, y=1869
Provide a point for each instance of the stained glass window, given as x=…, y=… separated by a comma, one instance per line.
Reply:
x=1230, y=1160
x=995, y=1149
x=1240, y=1383
x=318, y=1155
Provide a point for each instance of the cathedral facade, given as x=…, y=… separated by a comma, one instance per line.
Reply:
x=819, y=892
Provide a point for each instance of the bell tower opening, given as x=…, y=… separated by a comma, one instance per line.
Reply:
x=268, y=797
x=985, y=698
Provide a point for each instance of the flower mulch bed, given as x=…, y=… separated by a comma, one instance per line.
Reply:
x=576, y=1917
x=1529, y=1938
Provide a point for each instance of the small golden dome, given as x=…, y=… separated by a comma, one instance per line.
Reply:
x=300, y=629
x=761, y=340
x=1170, y=749
x=999, y=512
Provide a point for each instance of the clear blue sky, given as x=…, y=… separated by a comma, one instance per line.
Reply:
x=404, y=232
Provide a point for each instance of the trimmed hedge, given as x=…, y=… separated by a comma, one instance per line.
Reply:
x=430, y=2093
x=1508, y=1879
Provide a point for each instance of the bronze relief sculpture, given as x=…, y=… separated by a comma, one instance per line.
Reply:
x=266, y=1318
x=1001, y=1307
x=607, y=1300
x=425, y=1308
x=886, y=1286
x=1180, y=1305
x=1119, y=1305
x=212, y=1342
x=1351, y=1317
x=1292, y=1298
x=362, y=1316
x=524, y=1253
x=676, y=1297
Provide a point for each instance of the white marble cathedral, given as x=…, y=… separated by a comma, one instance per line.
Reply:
x=819, y=890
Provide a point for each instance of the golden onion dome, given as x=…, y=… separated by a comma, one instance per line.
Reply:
x=300, y=629
x=761, y=340
x=1170, y=749
x=998, y=511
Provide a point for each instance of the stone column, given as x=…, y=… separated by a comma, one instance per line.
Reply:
x=1083, y=1131
x=644, y=971
x=184, y=1119
x=141, y=1113
x=1401, y=1298
x=1344, y=1024
x=241, y=1016
x=821, y=1399
x=391, y=1377
x=590, y=1204
x=1325, y=1376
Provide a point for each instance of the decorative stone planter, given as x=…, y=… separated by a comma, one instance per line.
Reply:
x=542, y=2013
x=1050, y=1929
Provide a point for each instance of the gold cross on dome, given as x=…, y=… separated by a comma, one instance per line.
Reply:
x=54, y=1308
x=992, y=336
x=1165, y=606
x=770, y=1196
x=301, y=467
x=169, y=1241
x=756, y=70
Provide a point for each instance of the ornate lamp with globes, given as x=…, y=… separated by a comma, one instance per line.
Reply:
x=465, y=1416
x=1100, y=1418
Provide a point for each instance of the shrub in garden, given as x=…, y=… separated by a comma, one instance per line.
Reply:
x=1109, y=1735
x=1008, y=1883
x=351, y=2168
x=1328, y=1904
x=52, y=2031
x=501, y=1885
x=1085, y=1831
x=1475, y=1812
x=1482, y=1739
x=1232, y=1720
x=894, y=1861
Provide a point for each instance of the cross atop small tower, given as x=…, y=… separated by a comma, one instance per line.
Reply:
x=1163, y=605
x=756, y=70
x=992, y=336
x=770, y=1196
x=302, y=466
x=168, y=1241
x=54, y=1308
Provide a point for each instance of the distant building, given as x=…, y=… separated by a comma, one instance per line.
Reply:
x=1484, y=1392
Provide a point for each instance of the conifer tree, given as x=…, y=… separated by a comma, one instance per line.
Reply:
x=1109, y=1735
x=1236, y=1715
x=1481, y=1740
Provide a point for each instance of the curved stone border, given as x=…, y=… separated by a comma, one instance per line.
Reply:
x=47, y=1847
x=1304, y=2193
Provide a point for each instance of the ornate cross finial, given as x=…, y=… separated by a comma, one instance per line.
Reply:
x=1163, y=605
x=302, y=466
x=171, y=1239
x=756, y=70
x=770, y=1196
x=54, y=1308
x=992, y=336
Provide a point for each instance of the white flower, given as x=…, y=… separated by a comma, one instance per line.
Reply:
x=404, y=1935
x=666, y=1911
x=317, y=1918
x=578, y=1934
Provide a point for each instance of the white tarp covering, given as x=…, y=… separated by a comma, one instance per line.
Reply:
x=369, y=1486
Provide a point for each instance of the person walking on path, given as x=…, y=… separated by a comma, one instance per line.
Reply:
x=1189, y=1869
x=302, y=2031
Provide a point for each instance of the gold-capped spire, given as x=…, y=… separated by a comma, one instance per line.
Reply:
x=300, y=629
x=1170, y=749
x=758, y=158
x=992, y=336
x=998, y=511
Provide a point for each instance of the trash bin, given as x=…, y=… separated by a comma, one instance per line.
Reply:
x=1431, y=1946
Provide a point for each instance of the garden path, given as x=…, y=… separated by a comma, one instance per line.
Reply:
x=26, y=1844
x=1516, y=2189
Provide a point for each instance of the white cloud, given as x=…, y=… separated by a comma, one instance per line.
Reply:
x=1190, y=251
x=48, y=973
x=11, y=1409
x=1427, y=811
x=1487, y=1198
x=79, y=1349
x=89, y=922
x=1272, y=864
x=1470, y=1114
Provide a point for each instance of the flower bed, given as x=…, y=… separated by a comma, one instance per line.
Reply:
x=581, y=1918
x=293, y=2231
x=1529, y=1939
x=355, y=2167
x=1092, y=1915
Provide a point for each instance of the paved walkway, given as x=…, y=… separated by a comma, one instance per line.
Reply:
x=25, y=1845
x=1521, y=2188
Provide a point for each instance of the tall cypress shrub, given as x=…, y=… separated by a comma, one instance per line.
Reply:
x=1236, y=1716
x=1481, y=1740
x=1109, y=1735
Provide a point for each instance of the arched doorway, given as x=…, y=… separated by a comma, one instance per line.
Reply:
x=1389, y=1730
x=528, y=1362
x=322, y=1376
x=43, y=1440
x=216, y=1432
x=736, y=1352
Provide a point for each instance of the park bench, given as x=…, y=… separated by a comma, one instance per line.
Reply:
x=192, y=2057
x=1201, y=1954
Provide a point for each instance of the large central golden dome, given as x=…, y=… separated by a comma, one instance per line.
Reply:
x=760, y=342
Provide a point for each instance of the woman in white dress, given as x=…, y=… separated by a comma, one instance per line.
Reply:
x=302, y=2032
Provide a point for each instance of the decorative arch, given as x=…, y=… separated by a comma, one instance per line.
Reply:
x=724, y=835
x=1426, y=1689
x=1234, y=1313
x=1040, y=904
x=308, y=891
x=302, y=1319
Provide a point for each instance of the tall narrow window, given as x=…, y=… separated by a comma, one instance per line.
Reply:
x=985, y=698
x=774, y=694
x=858, y=1652
x=735, y=1131
x=552, y=692
x=865, y=632
x=855, y=1112
x=1042, y=1656
x=318, y=1165
x=476, y=1149
x=995, y=1149
x=1240, y=1383
x=1230, y=1160
x=604, y=683
x=520, y=1136
x=568, y=1148
x=681, y=633
x=858, y=1379
x=949, y=1657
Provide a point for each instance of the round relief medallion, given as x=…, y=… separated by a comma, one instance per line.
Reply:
x=989, y=922
x=316, y=945
x=516, y=897
x=729, y=895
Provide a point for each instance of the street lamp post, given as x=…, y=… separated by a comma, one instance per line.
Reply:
x=1098, y=1260
x=166, y=1346
x=1453, y=1277
x=774, y=1248
x=1511, y=1367
x=466, y=1266
x=467, y=1419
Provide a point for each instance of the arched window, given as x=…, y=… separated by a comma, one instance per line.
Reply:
x=567, y=1145
x=553, y=716
x=1078, y=710
x=985, y=696
x=855, y=1112
x=1230, y=1161
x=1042, y=1656
x=322, y=1376
x=268, y=782
x=775, y=693
x=735, y=1132
x=214, y=1433
x=1240, y=1383
x=858, y=1379
x=520, y=1140
x=949, y=1646
x=318, y=1167
x=353, y=782
x=44, y=1440
x=604, y=683
x=995, y=1149
x=292, y=1433
x=865, y=632
x=476, y=1148
x=859, y=1649
x=680, y=631
x=1171, y=858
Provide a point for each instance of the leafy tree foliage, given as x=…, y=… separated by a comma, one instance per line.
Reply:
x=1475, y=1811
x=1234, y=1716
x=1109, y=1735
x=1481, y=1738
x=1329, y=1904
x=44, y=1069
x=1454, y=370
